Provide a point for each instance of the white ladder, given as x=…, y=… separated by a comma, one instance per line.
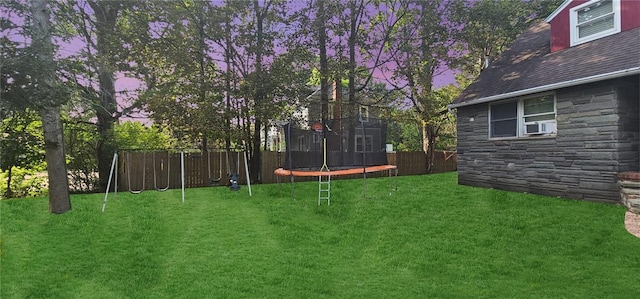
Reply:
x=324, y=189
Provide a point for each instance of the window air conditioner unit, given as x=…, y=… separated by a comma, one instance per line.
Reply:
x=540, y=128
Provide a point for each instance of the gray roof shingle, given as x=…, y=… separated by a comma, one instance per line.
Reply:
x=528, y=64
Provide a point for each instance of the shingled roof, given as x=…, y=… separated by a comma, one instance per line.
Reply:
x=529, y=67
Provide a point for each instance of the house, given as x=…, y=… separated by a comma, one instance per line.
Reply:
x=557, y=114
x=310, y=112
x=351, y=134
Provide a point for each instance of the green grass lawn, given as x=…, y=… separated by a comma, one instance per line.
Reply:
x=430, y=239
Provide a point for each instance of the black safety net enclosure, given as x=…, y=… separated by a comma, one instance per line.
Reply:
x=337, y=143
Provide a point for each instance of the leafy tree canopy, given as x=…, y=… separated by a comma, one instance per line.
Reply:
x=135, y=135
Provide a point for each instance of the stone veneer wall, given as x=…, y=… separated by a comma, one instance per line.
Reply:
x=629, y=125
x=598, y=131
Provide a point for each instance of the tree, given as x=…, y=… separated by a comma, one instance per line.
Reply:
x=106, y=13
x=368, y=36
x=321, y=37
x=446, y=137
x=173, y=57
x=423, y=43
x=419, y=49
x=257, y=79
x=258, y=45
x=93, y=70
x=49, y=96
x=20, y=128
x=405, y=133
x=135, y=135
x=488, y=27
x=81, y=138
x=208, y=66
x=21, y=143
x=347, y=38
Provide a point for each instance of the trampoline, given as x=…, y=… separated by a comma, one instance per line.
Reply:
x=348, y=171
x=335, y=147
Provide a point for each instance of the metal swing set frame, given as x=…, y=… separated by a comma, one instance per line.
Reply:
x=113, y=175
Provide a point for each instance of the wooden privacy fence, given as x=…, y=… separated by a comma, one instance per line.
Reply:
x=415, y=163
x=158, y=170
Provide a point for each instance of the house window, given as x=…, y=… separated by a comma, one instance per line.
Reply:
x=364, y=113
x=331, y=108
x=524, y=117
x=594, y=19
x=504, y=120
x=368, y=143
x=539, y=115
x=302, y=144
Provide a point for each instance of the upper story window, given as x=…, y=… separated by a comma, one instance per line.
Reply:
x=317, y=137
x=367, y=142
x=530, y=116
x=594, y=19
x=302, y=144
x=364, y=113
x=332, y=109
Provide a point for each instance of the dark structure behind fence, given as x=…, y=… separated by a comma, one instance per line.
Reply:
x=136, y=169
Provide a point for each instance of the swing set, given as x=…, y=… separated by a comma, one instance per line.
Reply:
x=161, y=168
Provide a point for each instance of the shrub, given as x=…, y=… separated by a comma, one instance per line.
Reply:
x=24, y=183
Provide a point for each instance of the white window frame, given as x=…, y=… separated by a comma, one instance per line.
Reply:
x=317, y=137
x=520, y=122
x=573, y=22
x=331, y=111
x=302, y=143
x=366, y=137
x=364, y=113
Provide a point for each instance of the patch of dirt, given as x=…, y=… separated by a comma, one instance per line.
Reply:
x=632, y=223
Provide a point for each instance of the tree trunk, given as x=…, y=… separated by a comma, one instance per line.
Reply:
x=227, y=80
x=9, y=193
x=105, y=146
x=429, y=144
x=202, y=85
x=255, y=162
x=266, y=138
x=324, y=65
x=106, y=15
x=255, y=153
x=351, y=106
x=59, y=201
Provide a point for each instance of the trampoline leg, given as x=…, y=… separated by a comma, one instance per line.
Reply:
x=293, y=197
x=393, y=186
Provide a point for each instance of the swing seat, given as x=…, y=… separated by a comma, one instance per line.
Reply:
x=233, y=182
x=214, y=182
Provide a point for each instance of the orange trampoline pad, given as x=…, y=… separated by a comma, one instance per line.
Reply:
x=286, y=172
